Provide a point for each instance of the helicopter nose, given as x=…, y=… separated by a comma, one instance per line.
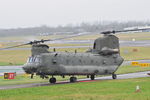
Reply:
x=30, y=68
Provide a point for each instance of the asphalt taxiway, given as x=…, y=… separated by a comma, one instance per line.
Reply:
x=121, y=76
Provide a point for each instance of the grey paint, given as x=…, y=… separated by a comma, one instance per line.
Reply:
x=98, y=61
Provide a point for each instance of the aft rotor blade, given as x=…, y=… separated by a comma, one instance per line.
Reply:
x=132, y=30
x=109, y=32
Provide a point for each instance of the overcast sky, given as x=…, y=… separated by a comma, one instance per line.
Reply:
x=30, y=13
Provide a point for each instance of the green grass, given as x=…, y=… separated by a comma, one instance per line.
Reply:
x=136, y=36
x=22, y=79
x=25, y=79
x=127, y=36
x=131, y=69
x=128, y=53
x=14, y=57
x=5, y=63
x=19, y=57
x=51, y=45
x=97, y=90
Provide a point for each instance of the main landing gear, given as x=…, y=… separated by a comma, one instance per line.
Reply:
x=114, y=76
x=53, y=80
x=92, y=77
x=73, y=79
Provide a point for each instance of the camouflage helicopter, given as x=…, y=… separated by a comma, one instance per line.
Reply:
x=103, y=59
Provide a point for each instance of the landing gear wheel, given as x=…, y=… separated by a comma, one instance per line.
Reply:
x=92, y=77
x=114, y=76
x=88, y=76
x=52, y=80
x=73, y=79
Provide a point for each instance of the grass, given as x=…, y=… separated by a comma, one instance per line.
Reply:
x=24, y=78
x=136, y=36
x=19, y=57
x=125, y=36
x=97, y=90
x=51, y=45
x=135, y=53
x=14, y=57
x=21, y=79
x=131, y=69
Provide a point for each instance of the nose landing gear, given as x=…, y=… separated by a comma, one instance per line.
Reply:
x=52, y=80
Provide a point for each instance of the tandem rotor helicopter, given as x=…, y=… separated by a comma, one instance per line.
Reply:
x=103, y=59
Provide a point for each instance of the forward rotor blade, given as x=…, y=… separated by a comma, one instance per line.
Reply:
x=71, y=36
x=14, y=46
x=42, y=41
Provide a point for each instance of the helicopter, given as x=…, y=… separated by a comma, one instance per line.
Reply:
x=103, y=59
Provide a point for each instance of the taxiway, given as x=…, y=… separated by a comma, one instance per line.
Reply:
x=121, y=76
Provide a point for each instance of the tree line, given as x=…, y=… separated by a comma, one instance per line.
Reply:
x=73, y=29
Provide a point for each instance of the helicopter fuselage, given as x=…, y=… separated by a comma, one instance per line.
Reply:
x=103, y=59
x=74, y=64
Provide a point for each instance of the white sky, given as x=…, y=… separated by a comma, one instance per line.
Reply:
x=30, y=13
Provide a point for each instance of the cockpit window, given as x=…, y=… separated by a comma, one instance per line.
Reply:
x=33, y=59
x=37, y=59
